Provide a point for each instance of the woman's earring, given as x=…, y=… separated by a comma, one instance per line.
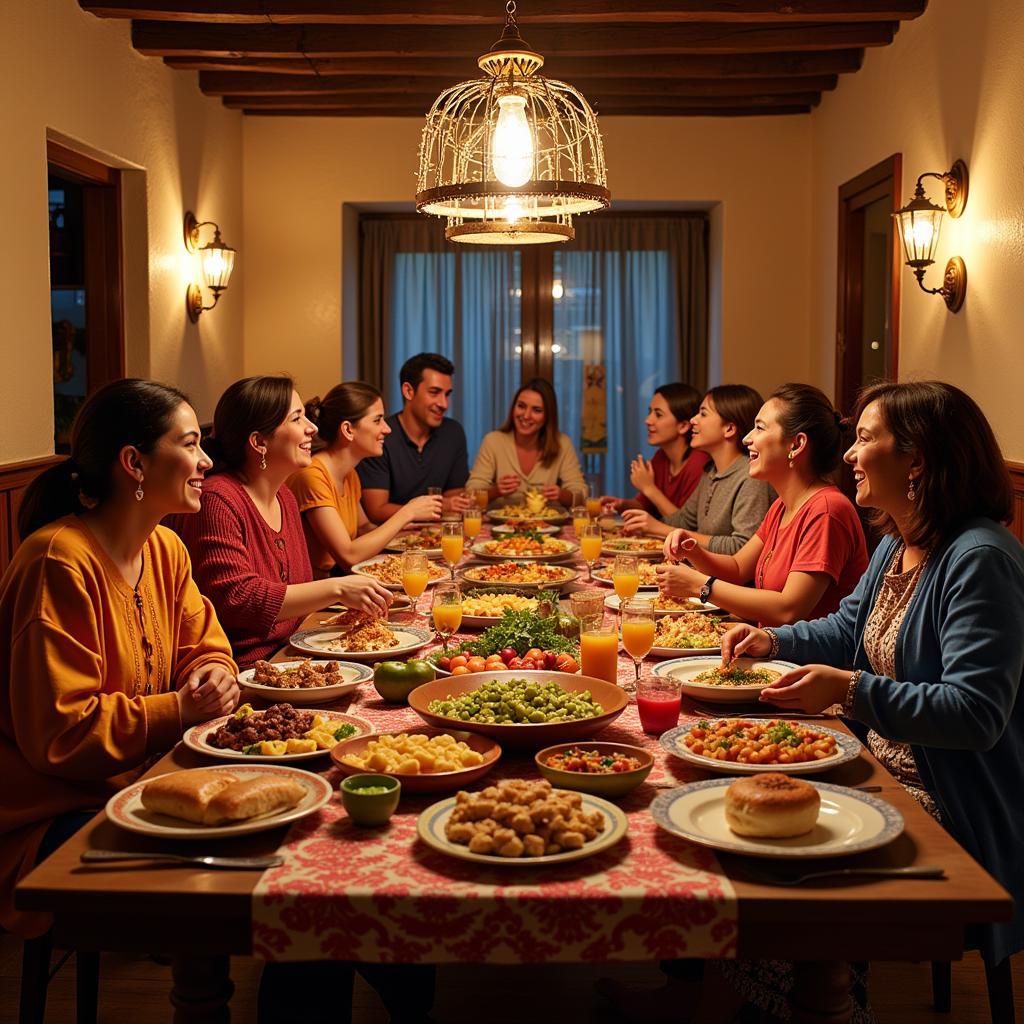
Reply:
x=911, y=494
x=263, y=459
x=138, y=492
x=789, y=459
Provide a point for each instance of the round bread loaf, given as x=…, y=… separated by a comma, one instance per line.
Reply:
x=771, y=806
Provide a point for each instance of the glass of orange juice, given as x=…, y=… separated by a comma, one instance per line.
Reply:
x=471, y=522
x=482, y=498
x=626, y=576
x=415, y=575
x=452, y=542
x=637, y=617
x=590, y=547
x=599, y=650
x=579, y=519
x=446, y=609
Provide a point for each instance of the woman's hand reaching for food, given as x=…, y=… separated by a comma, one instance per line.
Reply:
x=745, y=639
x=509, y=484
x=677, y=544
x=364, y=594
x=679, y=581
x=551, y=491
x=810, y=688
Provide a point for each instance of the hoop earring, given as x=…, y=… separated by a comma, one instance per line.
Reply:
x=911, y=494
x=263, y=459
x=138, y=492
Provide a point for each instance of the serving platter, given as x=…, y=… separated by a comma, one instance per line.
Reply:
x=693, y=604
x=476, y=575
x=125, y=807
x=554, y=514
x=643, y=547
x=684, y=669
x=515, y=526
x=848, y=822
x=352, y=674
x=317, y=641
x=431, y=828
x=566, y=549
x=437, y=571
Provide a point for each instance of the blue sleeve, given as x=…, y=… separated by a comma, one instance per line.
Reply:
x=459, y=473
x=980, y=611
x=375, y=473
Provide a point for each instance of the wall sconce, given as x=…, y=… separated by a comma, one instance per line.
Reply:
x=216, y=259
x=919, y=222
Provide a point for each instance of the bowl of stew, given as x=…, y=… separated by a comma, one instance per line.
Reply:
x=602, y=769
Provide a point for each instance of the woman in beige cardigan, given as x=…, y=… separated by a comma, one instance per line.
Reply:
x=528, y=450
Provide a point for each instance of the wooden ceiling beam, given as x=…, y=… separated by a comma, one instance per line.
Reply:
x=226, y=83
x=656, y=66
x=682, y=111
x=167, y=38
x=475, y=12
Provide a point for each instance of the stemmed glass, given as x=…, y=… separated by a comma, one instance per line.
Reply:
x=590, y=547
x=452, y=543
x=580, y=518
x=446, y=608
x=415, y=575
x=637, y=618
x=472, y=521
x=482, y=498
x=626, y=576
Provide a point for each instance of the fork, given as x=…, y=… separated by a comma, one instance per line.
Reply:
x=245, y=863
x=914, y=871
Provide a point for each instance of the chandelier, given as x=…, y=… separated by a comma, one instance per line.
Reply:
x=511, y=157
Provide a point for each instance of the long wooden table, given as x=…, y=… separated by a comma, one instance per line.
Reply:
x=202, y=917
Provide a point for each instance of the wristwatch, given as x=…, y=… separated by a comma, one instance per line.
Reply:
x=705, y=591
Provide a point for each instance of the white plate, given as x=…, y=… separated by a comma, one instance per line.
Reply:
x=352, y=674
x=196, y=739
x=610, y=583
x=571, y=549
x=569, y=575
x=360, y=568
x=504, y=528
x=654, y=554
x=314, y=641
x=125, y=808
x=847, y=749
x=848, y=822
x=696, y=605
x=432, y=821
x=559, y=516
x=685, y=668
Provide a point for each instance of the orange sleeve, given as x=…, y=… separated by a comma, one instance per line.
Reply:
x=312, y=489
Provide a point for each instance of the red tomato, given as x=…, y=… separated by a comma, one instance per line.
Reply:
x=459, y=661
x=445, y=663
x=569, y=666
x=515, y=662
x=507, y=654
x=535, y=653
x=550, y=659
x=460, y=670
x=476, y=664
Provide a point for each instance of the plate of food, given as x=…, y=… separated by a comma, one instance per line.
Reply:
x=319, y=681
x=524, y=547
x=521, y=835
x=205, y=803
x=546, y=514
x=521, y=575
x=427, y=539
x=777, y=816
x=398, y=601
x=667, y=605
x=281, y=733
x=705, y=679
x=504, y=705
x=690, y=634
x=746, y=746
x=387, y=570
x=520, y=525
x=484, y=608
x=648, y=575
x=365, y=643
x=424, y=760
x=642, y=547
x=607, y=770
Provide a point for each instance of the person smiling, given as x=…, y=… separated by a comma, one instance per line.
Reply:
x=528, y=450
x=248, y=550
x=809, y=552
x=350, y=419
x=665, y=482
x=107, y=648
x=728, y=504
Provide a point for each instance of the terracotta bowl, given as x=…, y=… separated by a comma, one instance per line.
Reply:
x=609, y=786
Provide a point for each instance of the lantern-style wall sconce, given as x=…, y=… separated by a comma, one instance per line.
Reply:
x=216, y=260
x=919, y=223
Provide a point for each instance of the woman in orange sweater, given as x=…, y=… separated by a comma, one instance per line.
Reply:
x=107, y=649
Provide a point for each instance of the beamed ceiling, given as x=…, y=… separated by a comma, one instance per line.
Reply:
x=390, y=58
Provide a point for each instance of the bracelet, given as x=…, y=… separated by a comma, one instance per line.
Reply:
x=851, y=693
x=774, y=637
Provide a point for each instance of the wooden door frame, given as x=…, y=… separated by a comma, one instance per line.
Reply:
x=884, y=179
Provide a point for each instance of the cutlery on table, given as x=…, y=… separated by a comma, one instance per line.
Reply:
x=914, y=871
x=244, y=863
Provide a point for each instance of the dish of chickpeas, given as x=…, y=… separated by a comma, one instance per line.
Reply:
x=744, y=746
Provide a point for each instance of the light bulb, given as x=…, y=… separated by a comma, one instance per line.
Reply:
x=512, y=210
x=512, y=142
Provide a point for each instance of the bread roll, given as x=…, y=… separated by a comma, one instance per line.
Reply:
x=186, y=794
x=265, y=794
x=771, y=806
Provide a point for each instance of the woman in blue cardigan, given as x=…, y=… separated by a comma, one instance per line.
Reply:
x=928, y=652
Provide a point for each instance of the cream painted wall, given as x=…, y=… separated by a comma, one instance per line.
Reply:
x=950, y=86
x=76, y=77
x=756, y=172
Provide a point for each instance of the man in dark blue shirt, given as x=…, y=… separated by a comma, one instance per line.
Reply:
x=424, y=449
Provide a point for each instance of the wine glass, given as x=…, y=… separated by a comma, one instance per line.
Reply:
x=590, y=547
x=482, y=498
x=415, y=575
x=626, y=576
x=637, y=618
x=452, y=542
x=580, y=518
x=446, y=609
x=472, y=521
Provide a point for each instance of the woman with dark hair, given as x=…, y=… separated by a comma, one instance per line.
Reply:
x=248, y=551
x=107, y=649
x=665, y=482
x=350, y=420
x=528, y=450
x=809, y=552
x=728, y=504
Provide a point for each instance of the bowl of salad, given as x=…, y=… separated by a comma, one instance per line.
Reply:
x=602, y=769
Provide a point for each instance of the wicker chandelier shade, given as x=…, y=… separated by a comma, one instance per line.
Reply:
x=511, y=157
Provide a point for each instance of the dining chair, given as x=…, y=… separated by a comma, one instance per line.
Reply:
x=36, y=975
x=998, y=980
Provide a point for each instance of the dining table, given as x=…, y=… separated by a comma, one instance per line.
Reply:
x=383, y=895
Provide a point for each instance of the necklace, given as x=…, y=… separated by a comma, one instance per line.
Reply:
x=762, y=564
x=147, y=645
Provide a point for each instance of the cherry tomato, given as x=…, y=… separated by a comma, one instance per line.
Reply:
x=445, y=663
x=507, y=654
x=550, y=659
x=515, y=662
x=570, y=666
x=476, y=664
x=495, y=662
x=459, y=661
x=460, y=670
x=535, y=653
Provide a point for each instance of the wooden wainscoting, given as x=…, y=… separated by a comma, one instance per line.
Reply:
x=14, y=478
x=1017, y=476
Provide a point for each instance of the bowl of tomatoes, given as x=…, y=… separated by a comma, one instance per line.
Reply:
x=533, y=660
x=602, y=769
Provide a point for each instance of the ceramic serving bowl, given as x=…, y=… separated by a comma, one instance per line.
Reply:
x=369, y=809
x=611, y=785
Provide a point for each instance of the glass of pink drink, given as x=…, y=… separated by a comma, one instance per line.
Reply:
x=658, y=701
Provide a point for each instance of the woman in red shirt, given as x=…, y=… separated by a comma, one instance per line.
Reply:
x=809, y=552
x=665, y=482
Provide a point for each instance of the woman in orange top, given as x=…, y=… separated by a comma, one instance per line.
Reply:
x=350, y=420
x=107, y=648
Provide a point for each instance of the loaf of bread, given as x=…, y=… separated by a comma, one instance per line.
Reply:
x=771, y=806
x=186, y=794
x=265, y=794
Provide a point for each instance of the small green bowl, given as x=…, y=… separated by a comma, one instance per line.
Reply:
x=609, y=786
x=370, y=809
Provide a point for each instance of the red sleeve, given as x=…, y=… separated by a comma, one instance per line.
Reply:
x=826, y=544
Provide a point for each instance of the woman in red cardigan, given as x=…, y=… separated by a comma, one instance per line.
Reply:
x=248, y=550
